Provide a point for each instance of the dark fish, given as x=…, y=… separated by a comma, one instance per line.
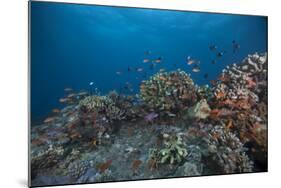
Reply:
x=220, y=54
x=235, y=46
x=151, y=66
x=213, y=62
x=213, y=47
x=129, y=69
x=206, y=75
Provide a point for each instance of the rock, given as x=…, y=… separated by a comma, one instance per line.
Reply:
x=89, y=176
x=188, y=169
x=50, y=180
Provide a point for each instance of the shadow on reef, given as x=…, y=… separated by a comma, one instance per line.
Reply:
x=172, y=128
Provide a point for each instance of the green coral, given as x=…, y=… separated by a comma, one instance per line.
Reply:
x=168, y=91
x=174, y=151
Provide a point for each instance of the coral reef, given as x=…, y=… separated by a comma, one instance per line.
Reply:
x=224, y=149
x=173, y=128
x=45, y=158
x=242, y=90
x=168, y=91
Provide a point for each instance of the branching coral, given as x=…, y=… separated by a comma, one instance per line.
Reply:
x=226, y=150
x=168, y=91
x=173, y=152
x=103, y=105
x=46, y=158
x=95, y=103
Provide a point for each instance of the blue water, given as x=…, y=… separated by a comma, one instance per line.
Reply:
x=73, y=45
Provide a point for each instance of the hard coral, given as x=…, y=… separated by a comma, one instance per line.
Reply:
x=242, y=89
x=168, y=91
x=226, y=150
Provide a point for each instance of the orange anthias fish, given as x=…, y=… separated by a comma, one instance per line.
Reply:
x=64, y=100
x=224, y=78
x=68, y=89
x=56, y=110
x=250, y=82
x=220, y=95
x=49, y=120
x=136, y=164
x=244, y=104
x=213, y=82
x=146, y=60
x=37, y=142
x=229, y=125
x=75, y=135
x=104, y=166
x=162, y=78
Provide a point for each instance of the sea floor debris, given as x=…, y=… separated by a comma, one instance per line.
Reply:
x=172, y=132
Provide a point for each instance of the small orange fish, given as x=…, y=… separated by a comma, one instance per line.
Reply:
x=152, y=164
x=68, y=89
x=213, y=82
x=250, y=82
x=169, y=83
x=130, y=131
x=214, y=114
x=37, y=142
x=71, y=95
x=94, y=142
x=64, y=100
x=215, y=136
x=136, y=164
x=56, y=110
x=75, y=135
x=224, y=78
x=229, y=125
x=104, y=166
x=146, y=60
x=220, y=95
x=196, y=69
x=162, y=78
x=49, y=120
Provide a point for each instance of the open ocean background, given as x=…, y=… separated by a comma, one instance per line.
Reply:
x=73, y=45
